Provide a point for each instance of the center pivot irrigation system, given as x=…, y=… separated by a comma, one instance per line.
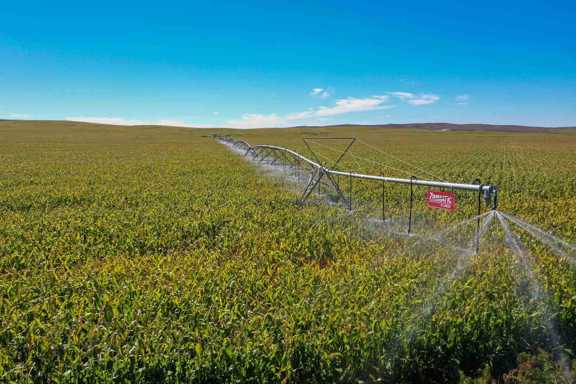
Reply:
x=318, y=171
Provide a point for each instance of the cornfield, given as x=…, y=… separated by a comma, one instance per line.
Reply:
x=158, y=255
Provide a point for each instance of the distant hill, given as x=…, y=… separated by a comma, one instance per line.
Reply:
x=454, y=127
x=423, y=126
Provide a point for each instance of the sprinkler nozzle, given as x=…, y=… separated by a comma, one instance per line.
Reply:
x=491, y=195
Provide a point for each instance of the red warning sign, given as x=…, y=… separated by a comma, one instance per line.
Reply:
x=442, y=200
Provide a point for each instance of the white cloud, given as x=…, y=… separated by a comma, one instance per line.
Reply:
x=462, y=99
x=342, y=106
x=424, y=99
x=351, y=104
x=416, y=99
x=122, y=121
x=320, y=92
x=105, y=120
x=14, y=116
x=255, y=120
x=402, y=95
x=172, y=123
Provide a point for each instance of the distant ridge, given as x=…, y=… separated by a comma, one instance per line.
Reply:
x=452, y=127
x=423, y=126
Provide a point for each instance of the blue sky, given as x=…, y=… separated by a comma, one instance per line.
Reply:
x=279, y=63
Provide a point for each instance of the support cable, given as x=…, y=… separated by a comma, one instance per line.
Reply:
x=402, y=161
x=380, y=163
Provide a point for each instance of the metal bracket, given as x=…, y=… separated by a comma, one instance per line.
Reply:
x=323, y=170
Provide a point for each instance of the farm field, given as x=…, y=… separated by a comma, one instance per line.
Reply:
x=157, y=254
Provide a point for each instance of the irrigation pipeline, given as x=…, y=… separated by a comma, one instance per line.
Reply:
x=262, y=152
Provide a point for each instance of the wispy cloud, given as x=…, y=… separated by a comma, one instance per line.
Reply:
x=14, y=116
x=177, y=123
x=416, y=99
x=352, y=104
x=123, y=121
x=402, y=95
x=255, y=120
x=340, y=107
x=316, y=115
x=105, y=120
x=322, y=93
x=462, y=99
